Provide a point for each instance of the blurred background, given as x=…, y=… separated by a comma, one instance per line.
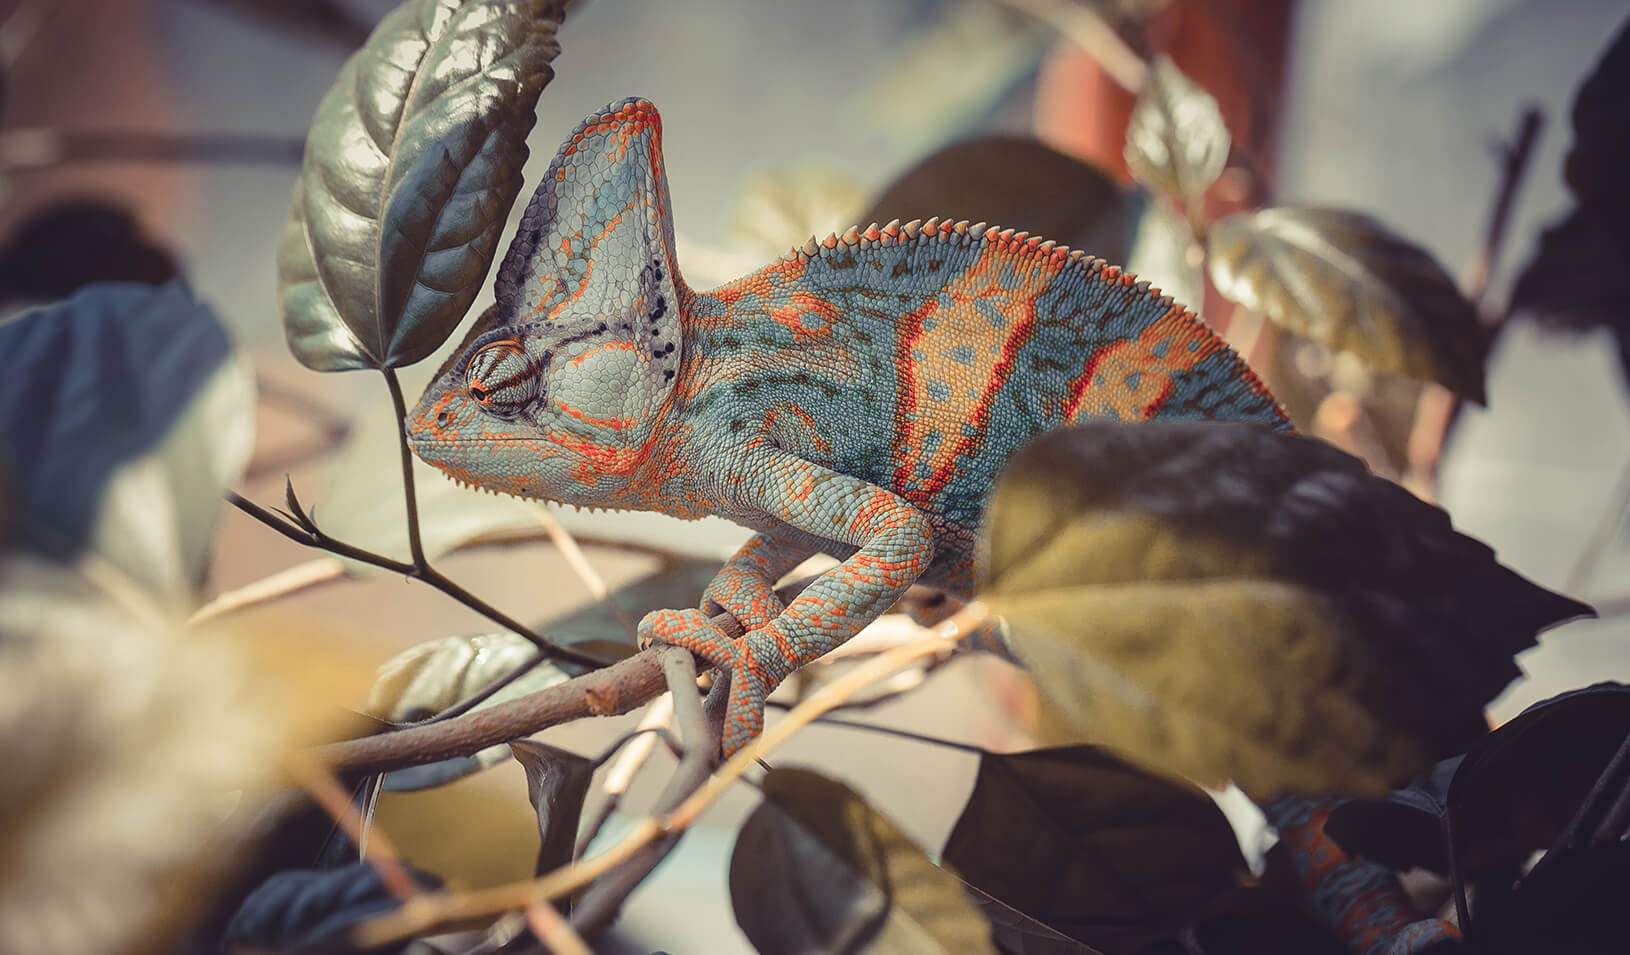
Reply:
x=174, y=127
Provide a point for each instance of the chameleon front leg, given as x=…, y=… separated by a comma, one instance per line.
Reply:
x=745, y=586
x=895, y=543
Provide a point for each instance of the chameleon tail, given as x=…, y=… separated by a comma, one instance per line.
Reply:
x=1361, y=901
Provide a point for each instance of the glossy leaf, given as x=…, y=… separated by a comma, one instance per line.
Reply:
x=1013, y=182
x=297, y=908
x=413, y=161
x=124, y=416
x=1097, y=848
x=1176, y=142
x=1220, y=601
x=1403, y=830
x=557, y=782
x=1343, y=279
x=816, y=869
x=1518, y=787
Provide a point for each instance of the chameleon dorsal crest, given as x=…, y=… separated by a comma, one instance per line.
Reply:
x=577, y=359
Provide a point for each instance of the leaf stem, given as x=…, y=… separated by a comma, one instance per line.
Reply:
x=415, y=545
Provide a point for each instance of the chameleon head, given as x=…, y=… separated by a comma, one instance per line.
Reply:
x=558, y=389
x=559, y=410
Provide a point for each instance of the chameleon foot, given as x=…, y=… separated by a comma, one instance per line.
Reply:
x=749, y=681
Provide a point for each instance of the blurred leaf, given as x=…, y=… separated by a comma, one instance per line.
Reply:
x=1220, y=601
x=1176, y=142
x=363, y=503
x=413, y=161
x=816, y=869
x=1014, y=182
x=557, y=782
x=1402, y=831
x=1094, y=847
x=1595, y=166
x=475, y=832
x=308, y=907
x=604, y=625
x=1340, y=278
x=124, y=416
x=1579, y=277
x=1519, y=786
x=423, y=680
x=781, y=209
x=124, y=746
x=44, y=258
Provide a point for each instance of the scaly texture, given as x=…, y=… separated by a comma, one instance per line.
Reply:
x=857, y=397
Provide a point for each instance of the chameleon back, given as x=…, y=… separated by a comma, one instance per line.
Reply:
x=919, y=357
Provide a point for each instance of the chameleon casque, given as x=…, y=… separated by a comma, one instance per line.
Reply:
x=857, y=397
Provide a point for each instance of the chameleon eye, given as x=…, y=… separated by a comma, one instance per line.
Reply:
x=500, y=378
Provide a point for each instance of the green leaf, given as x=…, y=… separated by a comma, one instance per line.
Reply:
x=557, y=782
x=1088, y=844
x=1014, y=182
x=1342, y=279
x=413, y=161
x=1176, y=142
x=817, y=870
x=1221, y=601
x=124, y=416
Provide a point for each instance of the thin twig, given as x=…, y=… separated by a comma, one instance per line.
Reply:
x=1087, y=29
x=290, y=580
x=1582, y=827
x=1437, y=410
x=317, y=780
x=430, y=910
x=554, y=931
x=601, y=902
x=311, y=536
x=621, y=774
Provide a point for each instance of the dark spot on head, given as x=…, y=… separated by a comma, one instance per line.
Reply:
x=737, y=425
x=441, y=416
x=901, y=268
x=660, y=309
x=667, y=375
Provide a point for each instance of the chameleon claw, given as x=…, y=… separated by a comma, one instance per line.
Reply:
x=692, y=630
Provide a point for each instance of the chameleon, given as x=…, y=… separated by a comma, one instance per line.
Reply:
x=857, y=397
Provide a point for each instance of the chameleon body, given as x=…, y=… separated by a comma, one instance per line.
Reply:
x=857, y=397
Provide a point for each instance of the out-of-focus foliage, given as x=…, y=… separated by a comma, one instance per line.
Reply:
x=1221, y=601
x=1092, y=846
x=1176, y=143
x=1016, y=183
x=124, y=415
x=413, y=161
x=297, y=908
x=1579, y=278
x=45, y=258
x=816, y=869
x=1342, y=279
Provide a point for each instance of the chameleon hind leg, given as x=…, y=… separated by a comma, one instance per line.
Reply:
x=745, y=586
x=1361, y=901
x=894, y=542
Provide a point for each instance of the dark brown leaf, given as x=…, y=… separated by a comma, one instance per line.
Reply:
x=557, y=782
x=413, y=161
x=1085, y=843
x=1221, y=601
x=817, y=870
x=1343, y=279
x=1017, y=183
